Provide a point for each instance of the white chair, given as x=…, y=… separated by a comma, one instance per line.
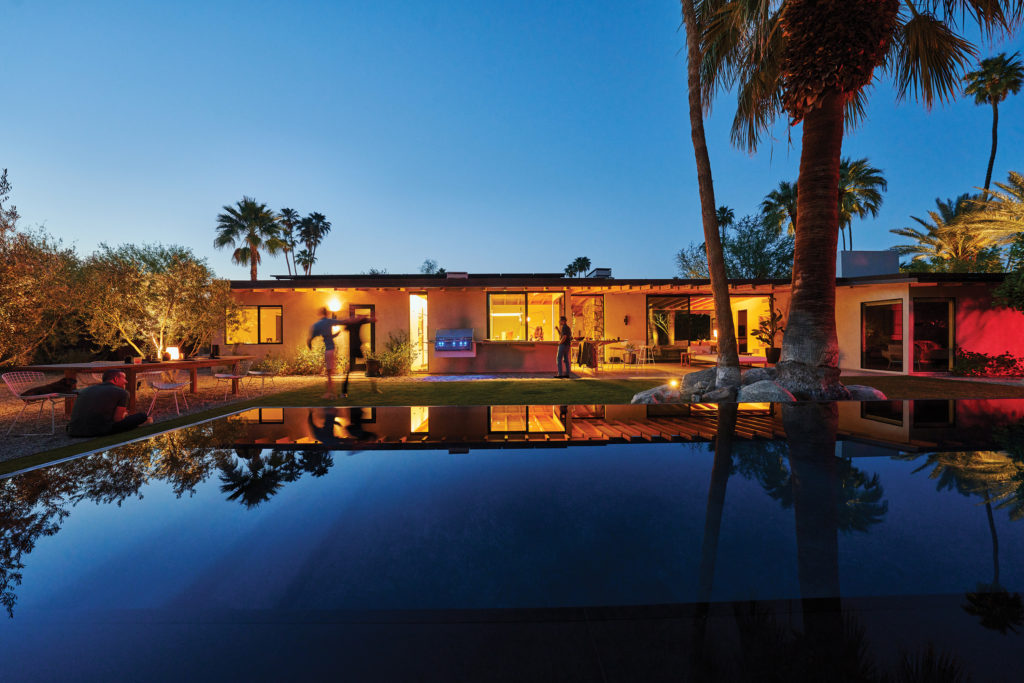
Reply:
x=171, y=382
x=18, y=382
x=228, y=377
x=264, y=376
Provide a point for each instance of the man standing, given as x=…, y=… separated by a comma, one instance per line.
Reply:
x=101, y=409
x=564, y=342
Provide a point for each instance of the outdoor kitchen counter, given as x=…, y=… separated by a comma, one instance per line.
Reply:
x=501, y=356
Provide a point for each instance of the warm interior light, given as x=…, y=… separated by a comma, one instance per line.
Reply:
x=715, y=332
x=173, y=352
x=333, y=305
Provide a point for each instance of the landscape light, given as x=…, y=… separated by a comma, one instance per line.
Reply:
x=173, y=353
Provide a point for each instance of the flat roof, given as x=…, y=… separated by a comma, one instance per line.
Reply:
x=558, y=280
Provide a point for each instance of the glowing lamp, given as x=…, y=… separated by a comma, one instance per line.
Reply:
x=674, y=383
x=173, y=353
x=334, y=305
x=715, y=332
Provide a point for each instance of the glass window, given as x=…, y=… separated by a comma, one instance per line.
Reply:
x=882, y=335
x=524, y=317
x=257, y=325
x=543, y=309
x=933, y=334
x=538, y=419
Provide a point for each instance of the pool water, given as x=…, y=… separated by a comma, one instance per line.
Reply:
x=248, y=548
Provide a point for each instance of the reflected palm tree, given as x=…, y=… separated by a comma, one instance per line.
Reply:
x=317, y=463
x=254, y=482
x=994, y=478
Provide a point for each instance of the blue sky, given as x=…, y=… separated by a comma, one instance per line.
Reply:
x=489, y=136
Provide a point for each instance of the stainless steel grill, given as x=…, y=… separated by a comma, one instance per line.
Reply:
x=454, y=343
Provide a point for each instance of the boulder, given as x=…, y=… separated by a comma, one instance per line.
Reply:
x=859, y=392
x=758, y=375
x=666, y=393
x=720, y=395
x=699, y=382
x=764, y=391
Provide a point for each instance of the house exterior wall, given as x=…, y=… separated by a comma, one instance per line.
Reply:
x=981, y=326
x=848, y=314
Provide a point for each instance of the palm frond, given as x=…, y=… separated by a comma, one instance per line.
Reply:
x=927, y=58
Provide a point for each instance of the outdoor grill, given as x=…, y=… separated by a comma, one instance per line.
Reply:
x=454, y=343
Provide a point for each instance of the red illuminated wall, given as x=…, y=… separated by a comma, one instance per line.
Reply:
x=983, y=328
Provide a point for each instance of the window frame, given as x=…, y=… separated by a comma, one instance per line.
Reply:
x=259, y=323
x=862, y=353
x=526, y=315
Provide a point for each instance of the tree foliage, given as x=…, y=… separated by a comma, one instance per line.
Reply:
x=38, y=290
x=953, y=239
x=151, y=297
x=754, y=250
x=579, y=267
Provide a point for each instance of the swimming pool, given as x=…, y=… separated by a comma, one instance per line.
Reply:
x=544, y=542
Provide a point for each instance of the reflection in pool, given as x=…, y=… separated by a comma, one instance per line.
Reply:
x=541, y=542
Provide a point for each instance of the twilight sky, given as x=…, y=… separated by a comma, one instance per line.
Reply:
x=489, y=136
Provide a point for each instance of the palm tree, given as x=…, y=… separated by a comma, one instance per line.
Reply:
x=779, y=207
x=860, y=193
x=579, y=266
x=725, y=217
x=289, y=222
x=813, y=60
x=249, y=226
x=312, y=230
x=952, y=241
x=1004, y=208
x=995, y=79
x=728, y=373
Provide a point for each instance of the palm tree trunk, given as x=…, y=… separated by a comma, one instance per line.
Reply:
x=728, y=358
x=253, y=256
x=995, y=540
x=810, y=349
x=992, y=154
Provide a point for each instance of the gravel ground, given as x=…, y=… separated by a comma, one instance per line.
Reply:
x=210, y=395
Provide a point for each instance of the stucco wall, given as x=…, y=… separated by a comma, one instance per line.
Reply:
x=848, y=301
x=981, y=326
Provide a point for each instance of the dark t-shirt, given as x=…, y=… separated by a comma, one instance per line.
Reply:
x=322, y=328
x=93, y=414
x=564, y=334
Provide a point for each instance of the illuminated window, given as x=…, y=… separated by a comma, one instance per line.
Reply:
x=257, y=325
x=524, y=317
x=881, y=339
x=537, y=419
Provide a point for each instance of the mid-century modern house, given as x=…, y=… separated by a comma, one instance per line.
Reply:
x=463, y=323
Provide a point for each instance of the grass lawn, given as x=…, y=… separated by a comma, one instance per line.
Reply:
x=506, y=392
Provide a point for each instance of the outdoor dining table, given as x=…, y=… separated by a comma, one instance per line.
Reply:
x=133, y=370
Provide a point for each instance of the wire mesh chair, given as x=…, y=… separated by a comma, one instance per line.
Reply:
x=19, y=382
x=169, y=382
x=227, y=377
x=264, y=376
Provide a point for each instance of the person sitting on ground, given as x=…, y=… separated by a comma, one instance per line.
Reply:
x=102, y=408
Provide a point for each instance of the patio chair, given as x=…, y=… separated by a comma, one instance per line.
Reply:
x=227, y=377
x=19, y=382
x=170, y=382
x=264, y=376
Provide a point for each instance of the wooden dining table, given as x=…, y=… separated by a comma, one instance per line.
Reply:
x=133, y=370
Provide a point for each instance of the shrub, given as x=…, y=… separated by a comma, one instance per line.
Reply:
x=396, y=359
x=302, y=361
x=974, y=364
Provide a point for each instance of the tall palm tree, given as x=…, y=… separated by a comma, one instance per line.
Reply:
x=813, y=59
x=726, y=217
x=779, y=207
x=312, y=230
x=1004, y=208
x=951, y=240
x=860, y=193
x=728, y=372
x=289, y=222
x=995, y=79
x=249, y=226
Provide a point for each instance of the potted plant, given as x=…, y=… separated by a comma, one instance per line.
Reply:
x=767, y=331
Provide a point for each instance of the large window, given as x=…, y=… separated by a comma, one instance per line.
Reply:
x=257, y=325
x=933, y=334
x=881, y=335
x=544, y=419
x=524, y=316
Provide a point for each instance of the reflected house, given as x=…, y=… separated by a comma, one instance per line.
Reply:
x=463, y=323
x=878, y=428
